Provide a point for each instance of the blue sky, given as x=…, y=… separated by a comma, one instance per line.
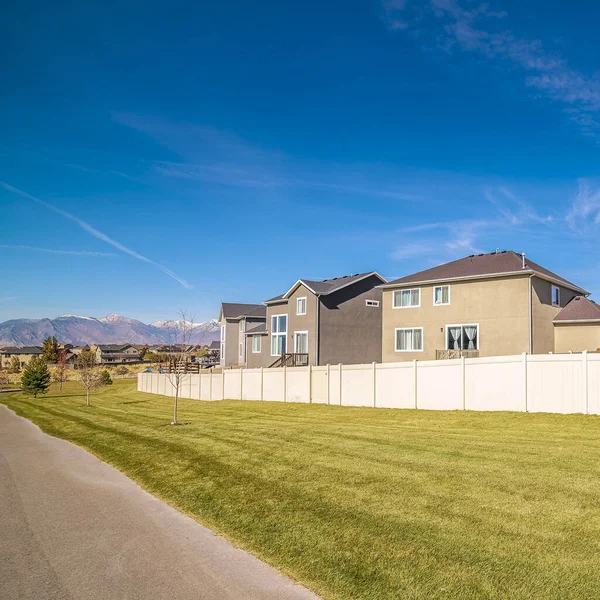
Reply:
x=156, y=157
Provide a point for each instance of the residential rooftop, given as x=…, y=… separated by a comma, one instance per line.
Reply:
x=579, y=308
x=499, y=263
x=232, y=310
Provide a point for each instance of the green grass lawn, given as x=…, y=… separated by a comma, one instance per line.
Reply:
x=364, y=503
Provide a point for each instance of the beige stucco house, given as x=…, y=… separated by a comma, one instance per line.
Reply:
x=320, y=322
x=482, y=305
x=24, y=354
x=234, y=319
x=577, y=327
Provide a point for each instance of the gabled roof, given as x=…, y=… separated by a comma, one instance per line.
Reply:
x=230, y=310
x=478, y=266
x=279, y=298
x=577, y=310
x=113, y=347
x=329, y=286
x=23, y=350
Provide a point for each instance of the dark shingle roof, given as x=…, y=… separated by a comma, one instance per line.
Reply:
x=327, y=286
x=113, y=347
x=234, y=311
x=495, y=263
x=215, y=345
x=276, y=299
x=23, y=350
x=579, y=309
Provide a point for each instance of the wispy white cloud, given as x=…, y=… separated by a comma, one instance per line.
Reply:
x=54, y=251
x=97, y=234
x=222, y=157
x=584, y=213
x=453, y=24
x=512, y=208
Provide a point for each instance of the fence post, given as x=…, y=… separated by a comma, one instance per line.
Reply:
x=241, y=384
x=340, y=384
x=310, y=384
x=199, y=385
x=285, y=383
x=210, y=394
x=525, y=377
x=415, y=381
x=464, y=382
x=584, y=358
x=223, y=385
x=262, y=383
x=374, y=384
x=328, y=383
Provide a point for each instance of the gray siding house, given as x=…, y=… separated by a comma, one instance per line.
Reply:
x=320, y=322
x=234, y=319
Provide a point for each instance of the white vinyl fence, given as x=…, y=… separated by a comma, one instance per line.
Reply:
x=556, y=383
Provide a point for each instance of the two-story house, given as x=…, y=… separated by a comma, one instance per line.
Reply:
x=320, y=322
x=24, y=355
x=234, y=319
x=482, y=305
x=115, y=354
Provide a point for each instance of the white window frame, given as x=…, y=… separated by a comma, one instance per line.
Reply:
x=441, y=303
x=279, y=334
x=406, y=290
x=223, y=328
x=296, y=333
x=374, y=303
x=297, y=309
x=256, y=338
x=397, y=329
x=460, y=325
x=555, y=287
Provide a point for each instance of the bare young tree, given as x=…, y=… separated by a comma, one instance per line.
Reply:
x=87, y=373
x=59, y=373
x=177, y=374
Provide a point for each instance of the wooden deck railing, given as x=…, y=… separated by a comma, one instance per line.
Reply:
x=449, y=354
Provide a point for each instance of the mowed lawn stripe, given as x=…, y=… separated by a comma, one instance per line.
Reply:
x=364, y=503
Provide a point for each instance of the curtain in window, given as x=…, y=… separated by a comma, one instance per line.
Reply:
x=417, y=339
x=445, y=291
x=414, y=297
x=471, y=333
x=454, y=338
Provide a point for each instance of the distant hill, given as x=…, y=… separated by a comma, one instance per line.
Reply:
x=113, y=329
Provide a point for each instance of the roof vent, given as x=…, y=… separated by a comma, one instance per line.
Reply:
x=523, y=259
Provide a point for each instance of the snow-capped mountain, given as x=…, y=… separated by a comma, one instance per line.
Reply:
x=112, y=329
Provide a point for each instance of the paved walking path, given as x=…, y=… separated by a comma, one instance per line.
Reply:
x=73, y=527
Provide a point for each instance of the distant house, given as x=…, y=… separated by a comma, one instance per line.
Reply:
x=115, y=354
x=25, y=354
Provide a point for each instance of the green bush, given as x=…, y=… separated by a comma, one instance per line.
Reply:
x=105, y=378
x=36, y=377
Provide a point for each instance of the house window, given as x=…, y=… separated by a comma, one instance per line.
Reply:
x=407, y=298
x=462, y=337
x=409, y=340
x=374, y=303
x=278, y=334
x=300, y=306
x=555, y=296
x=301, y=342
x=222, y=333
x=441, y=295
x=242, y=326
x=256, y=344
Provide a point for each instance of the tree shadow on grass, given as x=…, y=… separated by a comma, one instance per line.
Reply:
x=134, y=402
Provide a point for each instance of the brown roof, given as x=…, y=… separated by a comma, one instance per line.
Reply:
x=579, y=309
x=235, y=311
x=478, y=265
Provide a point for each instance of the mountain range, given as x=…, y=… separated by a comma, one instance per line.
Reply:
x=113, y=329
